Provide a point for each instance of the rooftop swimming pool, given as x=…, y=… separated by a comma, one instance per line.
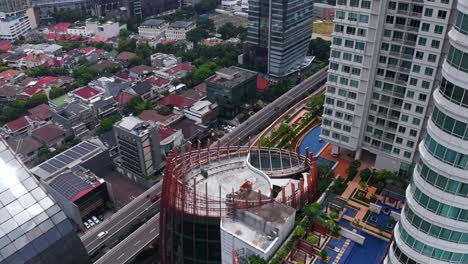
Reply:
x=315, y=145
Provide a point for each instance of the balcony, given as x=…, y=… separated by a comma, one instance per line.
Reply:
x=410, y=43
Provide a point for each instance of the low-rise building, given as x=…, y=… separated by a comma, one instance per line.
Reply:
x=40, y=113
x=231, y=88
x=176, y=72
x=49, y=135
x=124, y=57
x=170, y=138
x=18, y=126
x=142, y=89
x=108, y=29
x=178, y=30
x=11, y=28
x=112, y=86
x=26, y=147
x=102, y=105
x=141, y=71
x=33, y=60
x=139, y=148
x=162, y=60
x=159, y=85
x=162, y=120
x=77, y=118
x=9, y=93
x=202, y=112
x=176, y=102
x=153, y=29
x=86, y=94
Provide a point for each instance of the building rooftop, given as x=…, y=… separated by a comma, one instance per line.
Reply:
x=9, y=90
x=125, y=55
x=142, y=88
x=18, y=124
x=141, y=69
x=123, y=98
x=194, y=94
x=176, y=101
x=152, y=115
x=24, y=145
x=134, y=125
x=189, y=129
x=231, y=77
x=40, y=112
x=48, y=133
x=87, y=92
x=153, y=23
x=181, y=24
x=74, y=184
x=69, y=158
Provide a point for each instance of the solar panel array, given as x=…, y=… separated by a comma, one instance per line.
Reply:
x=69, y=185
x=62, y=160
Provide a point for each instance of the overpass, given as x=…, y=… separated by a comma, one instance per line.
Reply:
x=129, y=248
x=266, y=115
x=119, y=223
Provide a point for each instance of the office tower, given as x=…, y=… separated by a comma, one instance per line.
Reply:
x=13, y=6
x=384, y=62
x=433, y=227
x=278, y=35
x=33, y=229
x=139, y=148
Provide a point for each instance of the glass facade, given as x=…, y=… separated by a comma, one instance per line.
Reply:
x=454, y=93
x=458, y=59
x=33, y=229
x=449, y=124
x=461, y=24
x=445, y=154
x=402, y=257
x=441, y=182
x=278, y=35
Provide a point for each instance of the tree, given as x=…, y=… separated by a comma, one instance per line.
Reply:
x=107, y=124
x=163, y=110
x=67, y=15
x=84, y=74
x=278, y=89
x=206, y=5
x=196, y=35
x=228, y=30
x=124, y=33
x=299, y=231
x=56, y=92
x=46, y=71
x=366, y=174
x=36, y=100
x=137, y=105
x=353, y=169
x=320, y=49
x=313, y=239
x=254, y=259
x=68, y=45
x=204, y=71
x=206, y=23
x=323, y=255
x=4, y=68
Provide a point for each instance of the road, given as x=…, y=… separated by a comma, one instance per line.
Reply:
x=265, y=116
x=119, y=223
x=126, y=250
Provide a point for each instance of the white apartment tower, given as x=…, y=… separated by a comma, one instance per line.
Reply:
x=434, y=223
x=384, y=64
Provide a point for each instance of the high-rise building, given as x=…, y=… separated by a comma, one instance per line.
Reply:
x=433, y=227
x=384, y=64
x=139, y=147
x=33, y=229
x=13, y=6
x=278, y=35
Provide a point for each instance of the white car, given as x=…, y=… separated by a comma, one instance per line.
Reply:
x=86, y=225
x=90, y=222
x=102, y=234
x=96, y=221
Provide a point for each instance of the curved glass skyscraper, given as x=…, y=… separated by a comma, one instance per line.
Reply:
x=434, y=224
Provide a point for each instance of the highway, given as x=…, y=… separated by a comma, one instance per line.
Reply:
x=126, y=250
x=119, y=223
x=267, y=114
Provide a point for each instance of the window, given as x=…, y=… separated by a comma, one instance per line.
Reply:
x=407, y=106
x=337, y=41
x=359, y=45
x=357, y=58
x=428, y=71
x=363, y=18
x=345, y=69
x=339, y=28
x=365, y=4
x=413, y=133
x=354, y=83
x=425, y=27
x=458, y=59
x=419, y=55
x=425, y=84
x=350, y=107
x=461, y=24
x=419, y=109
x=416, y=121
x=413, y=81
x=342, y=92
x=387, y=33
x=410, y=144
x=352, y=16
x=336, y=54
x=428, y=12
x=361, y=32
x=422, y=41
x=432, y=58
x=340, y=14
x=438, y=29
x=349, y=43
x=401, y=129
x=410, y=94
x=404, y=118
x=392, y=5
x=356, y=71
x=347, y=56
x=352, y=95
x=389, y=19
x=334, y=66
x=442, y=14
x=399, y=140
x=435, y=44
x=342, y=2
x=416, y=68
x=407, y=154
x=422, y=97
x=354, y=3
x=346, y=128
x=331, y=89
x=351, y=30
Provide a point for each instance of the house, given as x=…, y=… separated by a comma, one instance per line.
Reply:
x=177, y=102
x=212, y=41
x=153, y=29
x=60, y=28
x=176, y=72
x=202, y=112
x=14, y=60
x=159, y=85
x=140, y=71
x=178, y=30
x=18, y=126
x=112, y=86
x=194, y=94
x=49, y=135
x=33, y=60
x=9, y=93
x=124, y=57
x=169, y=138
x=163, y=120
x=86, y=93
x=123, y=98
x=162, y=60
x=26, y=147
x=142, y=89
x=108, y=29
x=11, y=76
x=40, y=113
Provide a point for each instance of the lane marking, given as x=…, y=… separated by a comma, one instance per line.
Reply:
x=119, y=257
x=136, y=243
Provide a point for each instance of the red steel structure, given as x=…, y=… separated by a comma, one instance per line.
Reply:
x=190, y=217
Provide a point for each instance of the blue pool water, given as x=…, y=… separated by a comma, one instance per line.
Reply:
x=350, y=212
x=312, y=141
x=332, y=255
x=382, y=219
x=336, y=243
x=372, y=251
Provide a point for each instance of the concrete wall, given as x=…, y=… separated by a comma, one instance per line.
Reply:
x=353, y=236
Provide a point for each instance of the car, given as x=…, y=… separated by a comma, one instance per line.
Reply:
x=102, y=234
x=90, y=222
x=101, y=217
x=96, y=221
x=154, y=198
x=86, y=225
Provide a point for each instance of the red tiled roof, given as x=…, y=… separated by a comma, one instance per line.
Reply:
x=165, y=133
x=36, y=58
x=157, y=81
x=152, y=115
x=18, y=124
x=201, y=87
x=36, y=89
x=123, y=98
x=125, y=77
x=60, y=27
x=87, y=92
x=141, y=69
x=5, y=45
x=125, y=55
x=40, y=112
x=53, y=62
x=87, y=49
x=8, y=74
x=48, y=133
x=46, y=80
x=176, y=101
x=186, y=66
